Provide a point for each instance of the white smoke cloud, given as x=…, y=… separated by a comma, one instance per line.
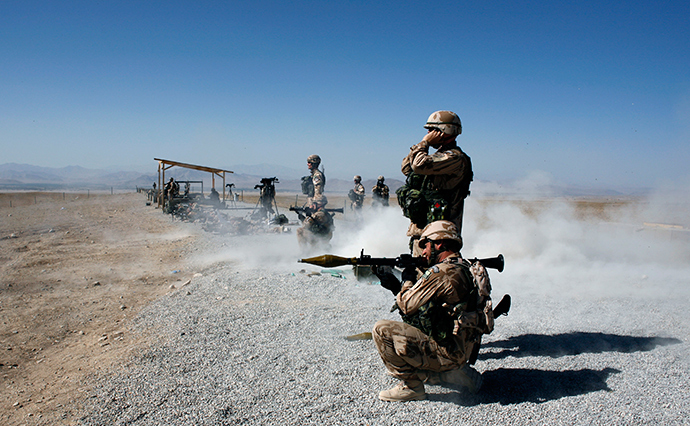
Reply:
x=550, y=246
x=380, y=232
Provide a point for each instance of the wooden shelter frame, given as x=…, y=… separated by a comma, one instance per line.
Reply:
x=164, y=165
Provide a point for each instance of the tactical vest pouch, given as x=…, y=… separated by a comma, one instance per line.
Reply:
x=420, y=203
x=412, y=201
x=434, y=321
x=307, y=186
x=352, y=196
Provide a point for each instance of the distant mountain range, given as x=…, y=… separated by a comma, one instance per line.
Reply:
x=25, y=177
x=35, y=178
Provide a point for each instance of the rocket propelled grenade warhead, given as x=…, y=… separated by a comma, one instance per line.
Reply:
x=329, y=260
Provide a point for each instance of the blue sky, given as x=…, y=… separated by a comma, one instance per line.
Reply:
x=592, y=93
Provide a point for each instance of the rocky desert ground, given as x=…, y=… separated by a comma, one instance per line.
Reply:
x=74, y=268
x=111, y=312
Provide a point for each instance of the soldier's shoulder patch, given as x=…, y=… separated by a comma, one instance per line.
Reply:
x=433, y=270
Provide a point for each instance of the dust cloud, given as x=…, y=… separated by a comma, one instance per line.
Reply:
x=594, y=247
x=586, y=248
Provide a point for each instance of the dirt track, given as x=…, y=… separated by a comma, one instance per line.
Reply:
x=72, y=271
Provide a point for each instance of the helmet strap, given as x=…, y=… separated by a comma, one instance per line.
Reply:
x=433, y=254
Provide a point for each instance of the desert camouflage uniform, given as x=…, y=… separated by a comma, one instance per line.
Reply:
x=450, y=168
x=319, y=181
x=380, y=193
x=316, y=229
x=359, y=193
x=407, y=352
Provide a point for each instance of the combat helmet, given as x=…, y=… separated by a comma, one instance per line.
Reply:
x=446, y=121
x=440, y=230
x=314, y=159
x=380, y=179
x=357, y=178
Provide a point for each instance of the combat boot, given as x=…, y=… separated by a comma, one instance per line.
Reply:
x=403, y=392
x=465, y=376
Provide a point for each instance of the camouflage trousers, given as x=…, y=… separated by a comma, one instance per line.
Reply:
x=408, y=353
x=316, y=230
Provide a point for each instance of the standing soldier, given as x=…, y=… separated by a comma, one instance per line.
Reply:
x=314, y=185
x=437, y=184
x=356, y=194
x=317, y=227
x=168, y=189
x=380, y=192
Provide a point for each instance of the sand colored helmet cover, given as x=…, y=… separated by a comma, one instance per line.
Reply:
x=380, y=178
x=446, y=121
x=315, y=159
x=440, y=230
x=357, y=178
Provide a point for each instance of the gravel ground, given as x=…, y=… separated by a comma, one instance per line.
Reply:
x=264, y=343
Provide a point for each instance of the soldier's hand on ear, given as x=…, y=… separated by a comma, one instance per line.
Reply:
x=433, y=137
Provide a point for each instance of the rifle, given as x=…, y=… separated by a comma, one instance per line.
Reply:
x=402, y=261
x=302, y=211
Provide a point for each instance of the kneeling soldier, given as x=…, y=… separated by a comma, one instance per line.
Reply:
x=445, y=312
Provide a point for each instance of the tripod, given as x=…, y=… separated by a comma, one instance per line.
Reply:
x=267, y=199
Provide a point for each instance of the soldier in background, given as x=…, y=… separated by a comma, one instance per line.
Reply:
x=214, y=197
x=314, y=185
x=168, y=189
x=152, y=194
x=356, y=194
x=444, y=175
x=380, y=193
x=317, y=227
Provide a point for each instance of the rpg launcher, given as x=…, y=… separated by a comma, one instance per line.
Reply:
x=303, y=212
x=402, y=261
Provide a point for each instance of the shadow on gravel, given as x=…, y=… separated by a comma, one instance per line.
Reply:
x=518, y=385
x=572, y=344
